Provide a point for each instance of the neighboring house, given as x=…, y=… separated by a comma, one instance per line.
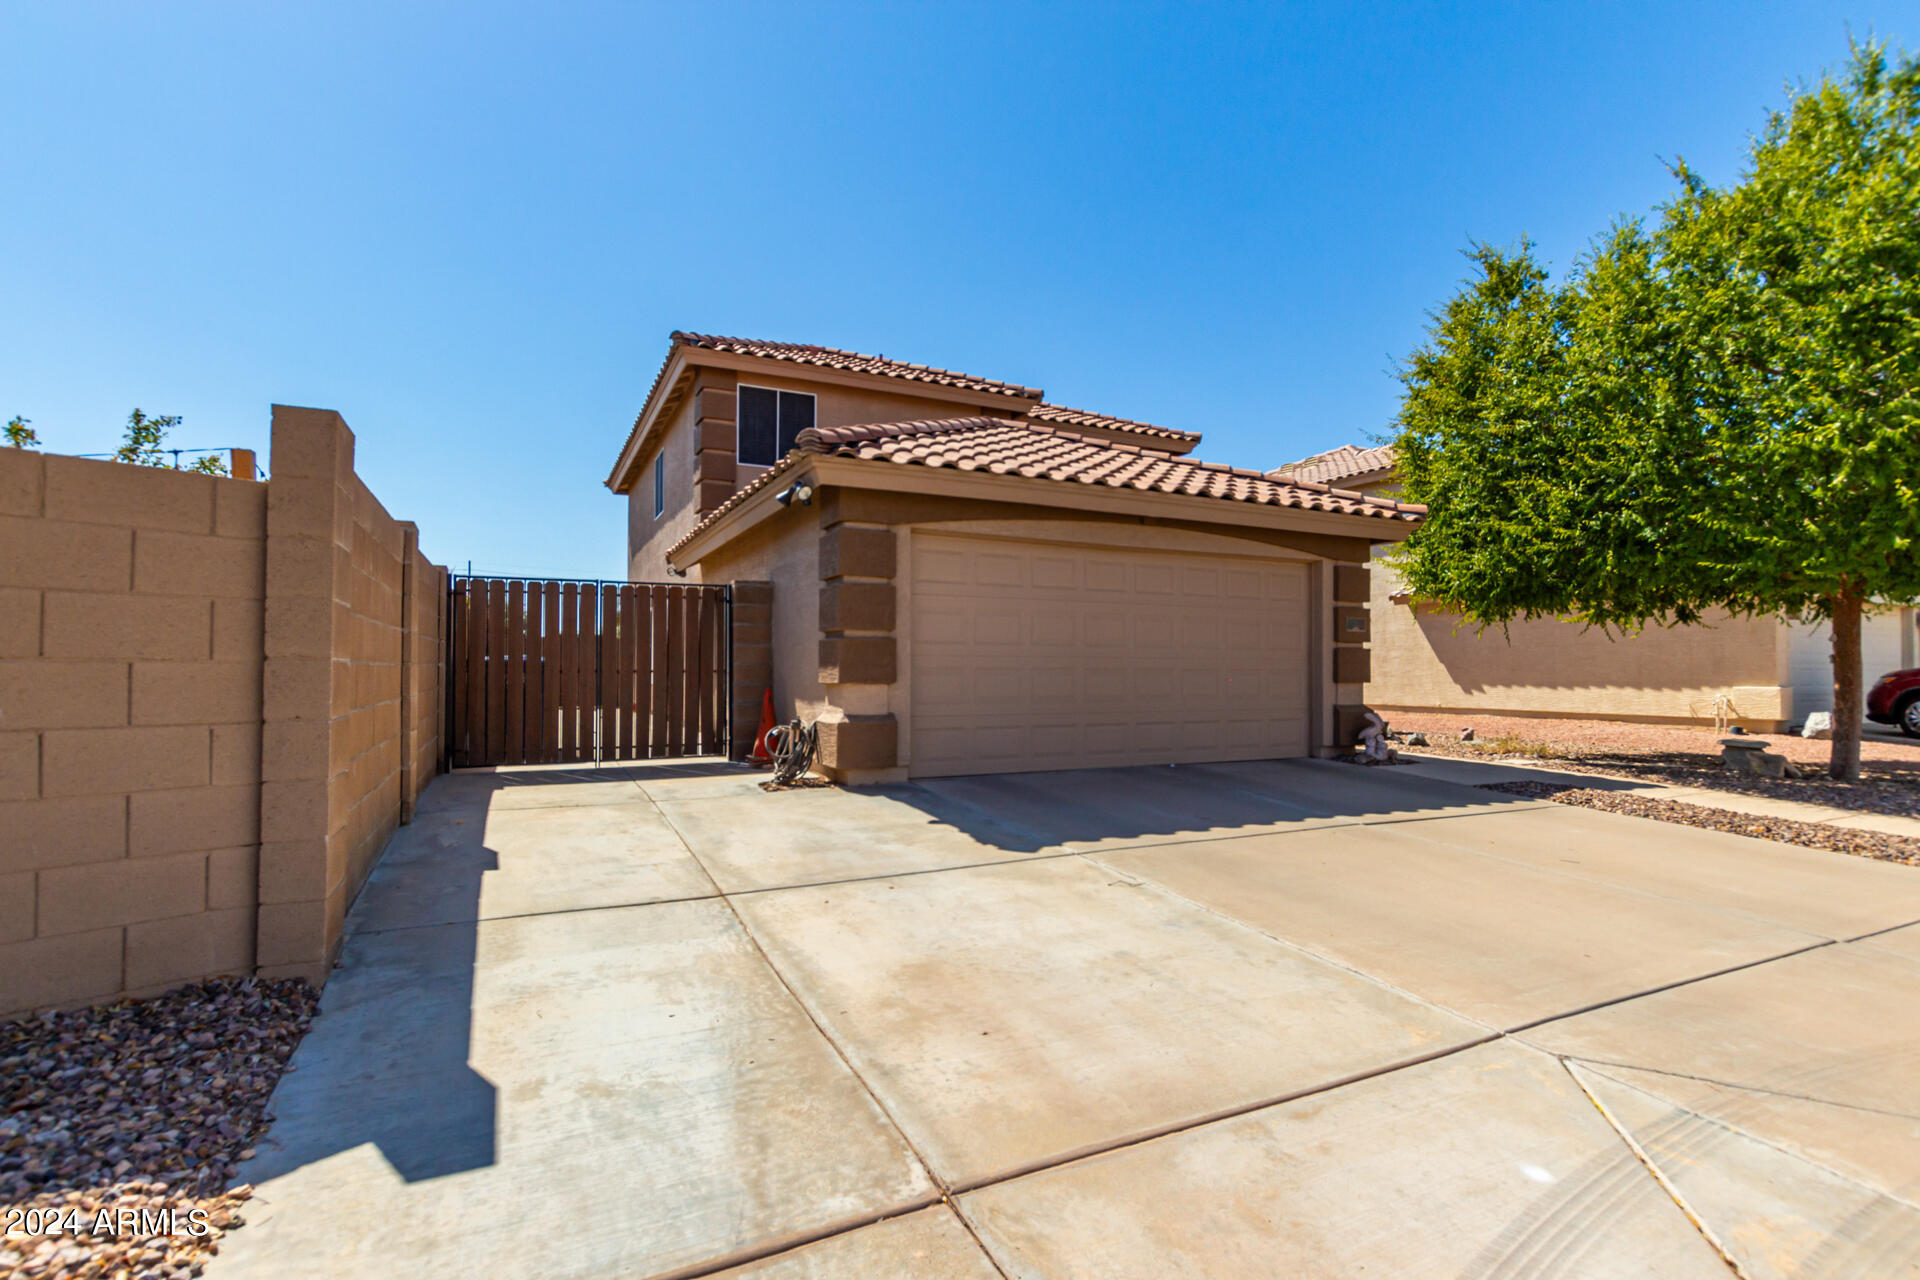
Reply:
x=968, y=579
x=1765, y=673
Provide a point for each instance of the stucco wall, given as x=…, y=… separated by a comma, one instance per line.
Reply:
x=1424, y=659
x=649, y=537
x=837, y=406
x=786, y=552
x=201, y=718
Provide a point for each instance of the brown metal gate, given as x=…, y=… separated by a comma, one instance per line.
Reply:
x=549, y=671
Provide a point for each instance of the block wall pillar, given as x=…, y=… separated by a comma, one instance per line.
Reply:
x=312, y=451
x=752, y=663
x=1351, y=629
x=859, y=659
x=715, y=439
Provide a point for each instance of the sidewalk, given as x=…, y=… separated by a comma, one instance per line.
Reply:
x=1476, y=772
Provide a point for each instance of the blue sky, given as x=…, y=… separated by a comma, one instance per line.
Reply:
x=470, y=228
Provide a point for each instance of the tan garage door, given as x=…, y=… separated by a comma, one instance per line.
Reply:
x=1031, y=655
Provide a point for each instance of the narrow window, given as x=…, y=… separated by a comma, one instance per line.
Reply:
x=769, y=423
x=796, y=415
x=659, y=484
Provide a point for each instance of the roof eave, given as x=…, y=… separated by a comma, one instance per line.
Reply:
x=1011, y=400
x=859, y=473
x=686, y=357
x=665, y=388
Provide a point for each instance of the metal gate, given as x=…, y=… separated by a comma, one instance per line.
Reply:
x=548, y=671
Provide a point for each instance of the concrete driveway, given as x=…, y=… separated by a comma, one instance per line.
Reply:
x=1281, y=1019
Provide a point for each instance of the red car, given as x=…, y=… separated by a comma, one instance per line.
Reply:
x=1895, y=699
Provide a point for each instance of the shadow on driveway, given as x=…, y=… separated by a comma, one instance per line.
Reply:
x=1088, y=808
x=387, y=1061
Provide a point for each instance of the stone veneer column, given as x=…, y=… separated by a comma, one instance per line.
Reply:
x=752, y=673
x=1352, y=660
x=715, y=440
x=859, y=738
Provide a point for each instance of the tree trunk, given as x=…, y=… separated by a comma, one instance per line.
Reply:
x=1849, y=711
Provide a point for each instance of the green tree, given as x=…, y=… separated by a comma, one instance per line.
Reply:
x=20, y=435
x=1722, y=413
x=145, y=446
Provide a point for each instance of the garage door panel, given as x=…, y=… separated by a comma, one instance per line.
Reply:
x=1206, y=685
x=1056, y=572
x=1106, y=627
x=1200, y=582
x=995, y=570
x=937, y=619
x=1105, y=576
x=938, y=565
x=1038, y=656
x=1153, y=631
x=1198, y=629
x=1000, y=684
x=1247, y=584
x=999, y=626
x=1110, y=685
x=1054, y=625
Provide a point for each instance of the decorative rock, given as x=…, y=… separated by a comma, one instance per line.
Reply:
x=1416, y=739
x=1819, y=725
x=1755, y=759
x=1466, y=734
x=142, y=1105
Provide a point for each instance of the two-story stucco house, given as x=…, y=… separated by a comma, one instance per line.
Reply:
x=1762, y=673
x=966, y=578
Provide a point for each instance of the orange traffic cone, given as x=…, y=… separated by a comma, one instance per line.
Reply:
x=760, y=754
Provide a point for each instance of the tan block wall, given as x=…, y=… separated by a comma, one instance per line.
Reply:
x=217, y=699
x=354, y=698
x=1423, y=659
x=130, y=612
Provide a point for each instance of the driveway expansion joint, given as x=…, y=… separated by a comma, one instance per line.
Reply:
x=1667, y=986
x=944, y=1191
x=1646, y=1162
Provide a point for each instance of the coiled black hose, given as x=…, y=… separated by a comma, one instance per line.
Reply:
x=792, y=746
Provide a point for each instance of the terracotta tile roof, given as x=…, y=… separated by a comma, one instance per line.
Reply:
x=1060, y=415
x=853, y=362
x=819, y=357
x=1035, y=452
x=1335, y=465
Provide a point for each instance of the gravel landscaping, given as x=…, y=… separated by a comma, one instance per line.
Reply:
x=1678, y=754
x=120, y=1125
x=1814, y=835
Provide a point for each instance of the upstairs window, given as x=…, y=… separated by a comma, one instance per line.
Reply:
x=659, y=484
x=770, y=421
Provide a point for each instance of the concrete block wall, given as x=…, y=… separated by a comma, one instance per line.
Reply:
x=349, y=742
x=217, y=699
x=131, y=602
